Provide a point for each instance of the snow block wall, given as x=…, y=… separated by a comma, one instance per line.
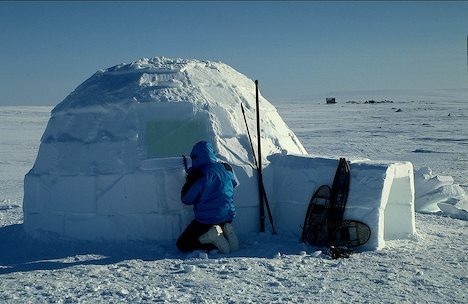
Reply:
x=109, y=165
x=381, y=194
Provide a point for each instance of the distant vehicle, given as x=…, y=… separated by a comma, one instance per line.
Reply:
x=330, y=100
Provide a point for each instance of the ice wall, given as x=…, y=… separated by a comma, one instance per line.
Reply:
x=381, y=194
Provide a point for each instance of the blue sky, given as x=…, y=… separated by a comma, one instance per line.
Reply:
x=295, y=49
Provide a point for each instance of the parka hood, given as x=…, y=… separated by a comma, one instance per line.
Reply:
x=202, y=154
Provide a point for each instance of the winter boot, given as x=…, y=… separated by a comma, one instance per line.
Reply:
x=215, y=236
x=228, y=231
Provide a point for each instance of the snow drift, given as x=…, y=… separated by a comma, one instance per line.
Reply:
x=109, y=163
x=436, y=193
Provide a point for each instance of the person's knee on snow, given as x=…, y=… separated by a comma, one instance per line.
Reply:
x=182, y=246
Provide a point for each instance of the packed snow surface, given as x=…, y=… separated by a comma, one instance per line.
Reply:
x=429, y=268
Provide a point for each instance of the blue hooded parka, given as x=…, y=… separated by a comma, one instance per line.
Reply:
x=210, y=186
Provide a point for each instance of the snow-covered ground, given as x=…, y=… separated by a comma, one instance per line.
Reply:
x=429, y=268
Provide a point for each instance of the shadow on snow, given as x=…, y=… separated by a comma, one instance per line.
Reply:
x=22, y=253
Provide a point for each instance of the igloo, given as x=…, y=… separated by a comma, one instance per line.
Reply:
x=109, y=165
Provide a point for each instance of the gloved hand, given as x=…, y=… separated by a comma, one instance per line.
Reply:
x=192, y=176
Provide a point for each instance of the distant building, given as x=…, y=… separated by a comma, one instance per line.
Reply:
x=330, y=100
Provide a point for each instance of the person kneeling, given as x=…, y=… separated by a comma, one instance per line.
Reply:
x=209, y=187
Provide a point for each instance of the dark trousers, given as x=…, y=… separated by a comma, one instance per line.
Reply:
x=188, y=240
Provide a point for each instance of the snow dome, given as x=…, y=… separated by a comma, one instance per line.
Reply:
x=109, y=165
